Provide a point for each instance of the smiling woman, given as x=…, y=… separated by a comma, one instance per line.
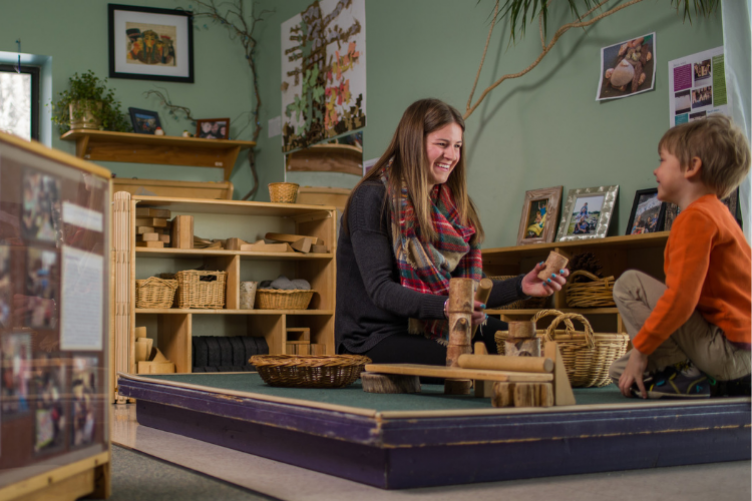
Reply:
x=409, y=227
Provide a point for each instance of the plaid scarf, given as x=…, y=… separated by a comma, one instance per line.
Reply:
x=426, y=266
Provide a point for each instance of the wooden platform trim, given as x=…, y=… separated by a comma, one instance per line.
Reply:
x=359, y=411
x=58, y=474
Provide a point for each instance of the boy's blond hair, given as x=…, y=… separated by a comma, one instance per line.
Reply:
x=720, y=145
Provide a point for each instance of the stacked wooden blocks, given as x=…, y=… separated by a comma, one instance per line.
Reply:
x=149, y=359
x=299, y=342
x=152, y=227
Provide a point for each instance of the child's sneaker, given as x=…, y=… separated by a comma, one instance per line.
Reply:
x=682, y=380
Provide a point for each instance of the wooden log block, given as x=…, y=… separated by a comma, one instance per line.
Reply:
x=522, y=347
x=149, y=237
x=554, y=263
x=460, y=310
x=524, y=395
x=506, y=363
x=286, y=237
x=382, y=383
x=503, y=394
x=234, y=244
x=521, y=330
x=156, y=367
x=546, y=398
x=302, y=245
x=458, y=386
x=182, y=232
x=156, y=222
x=151, y=212
x=152, y=245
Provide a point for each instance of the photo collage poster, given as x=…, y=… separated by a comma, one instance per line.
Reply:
x=52, y=269
x=697, y=86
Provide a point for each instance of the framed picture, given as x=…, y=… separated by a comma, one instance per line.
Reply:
x=150, y=44
x=144, y=121
x=213, y=128
x=731, y=201
x=539, y=215
x=648, y=213
x=587, y=213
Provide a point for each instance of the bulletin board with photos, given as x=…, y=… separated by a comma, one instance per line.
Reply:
x=54, y=309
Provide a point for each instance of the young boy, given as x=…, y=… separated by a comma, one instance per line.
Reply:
x=696, y=327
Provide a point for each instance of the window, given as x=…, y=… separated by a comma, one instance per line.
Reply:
x=19, y=101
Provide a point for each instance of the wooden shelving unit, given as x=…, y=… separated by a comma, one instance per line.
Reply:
x=615, y=254
x=174, y=328
x=98, y=145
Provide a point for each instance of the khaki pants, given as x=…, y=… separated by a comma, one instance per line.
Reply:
x=636, y=295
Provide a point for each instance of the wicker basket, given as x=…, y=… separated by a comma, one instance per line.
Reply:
x=274, y=299
x=193, y=292
x=587, y=355
x=283, y=192
x=155, y=292
x=533, y=302
x=596, y=293
x=301, y=371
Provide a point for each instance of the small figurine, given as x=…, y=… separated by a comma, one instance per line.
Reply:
x=187, y=134
x=158, y=131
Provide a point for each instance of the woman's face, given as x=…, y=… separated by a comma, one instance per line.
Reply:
x=443, y=152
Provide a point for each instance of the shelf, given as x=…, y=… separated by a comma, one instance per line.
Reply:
x=107, y=146
x=191, y=311
x=299, y=212
x=260, y=256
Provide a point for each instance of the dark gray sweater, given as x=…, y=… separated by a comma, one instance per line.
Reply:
x=371, y=303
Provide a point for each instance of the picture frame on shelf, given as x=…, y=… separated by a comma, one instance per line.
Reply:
x=213, y=128
x=731, y=201
x=147, y=43
x=587, y=213
x=540, y=212
x=648, y=214
x=144, y=121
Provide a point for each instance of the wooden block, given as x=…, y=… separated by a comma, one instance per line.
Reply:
x=302, y=245
x=299, y=342
x=304, y=348
x=285, y=237
x=562, y=389
x=157, y=356
x=483, y=389
x=503, y=394
x=546, y=398
x=140, y=230
x=382, y=383
x=150, y=212
x=479, y=348
x=299, y=334
x=554, y=263
x=524, y=395
x=521, y=330
x=143, y=348
x=457, y=373
x=319, y=249
x=318, y=349
x=291, y=349
x=156, y=222
x=153, y=245
x=156, y=368
x=458, y=386
x=264, y=247
x=165, y=239
x=150, y=237
x=522, y=347
x=182, y=232
x=234, y=244
x=140, y=332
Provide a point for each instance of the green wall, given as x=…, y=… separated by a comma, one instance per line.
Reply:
x=541, y=130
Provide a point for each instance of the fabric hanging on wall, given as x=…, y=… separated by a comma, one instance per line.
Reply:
x=737, y=41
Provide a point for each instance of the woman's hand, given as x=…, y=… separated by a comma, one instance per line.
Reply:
x=535, y=287
x=479, y=316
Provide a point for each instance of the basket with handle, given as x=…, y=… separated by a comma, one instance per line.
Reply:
x=587, y=355
x=200, y=289
x=595, y=292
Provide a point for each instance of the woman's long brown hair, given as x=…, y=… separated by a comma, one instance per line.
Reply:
x=409, y=165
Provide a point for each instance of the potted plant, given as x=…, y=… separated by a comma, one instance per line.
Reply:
x=89, y=104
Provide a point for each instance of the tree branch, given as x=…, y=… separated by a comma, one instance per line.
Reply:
x=488, y=39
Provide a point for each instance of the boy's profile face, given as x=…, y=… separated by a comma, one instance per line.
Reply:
x=670, y=177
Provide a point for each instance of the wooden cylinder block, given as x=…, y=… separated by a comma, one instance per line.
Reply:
x=460, y=309
x=530, y=347
x=182, y=232
x=458, y=386
x=507, y=363
x=522, y=395
x=521, y=330
x=554, y=263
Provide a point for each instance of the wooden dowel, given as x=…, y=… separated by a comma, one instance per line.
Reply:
x=505, y=363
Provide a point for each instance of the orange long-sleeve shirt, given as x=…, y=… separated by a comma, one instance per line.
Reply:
x=707, y=263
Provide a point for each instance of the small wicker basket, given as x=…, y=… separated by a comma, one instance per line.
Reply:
x=196, y=289
x=283, y=192
x=274, y=299
x=155, y=293
x=595, y=293
x=302, y=371
x=533, y=302
x=587, y=355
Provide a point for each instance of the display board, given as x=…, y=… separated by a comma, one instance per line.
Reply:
x=54, y=310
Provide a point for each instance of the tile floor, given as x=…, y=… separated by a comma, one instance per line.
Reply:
x=718, y=481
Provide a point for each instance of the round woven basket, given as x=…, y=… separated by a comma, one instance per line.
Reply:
x=283, y=192
x=595, y=293
x=303, y=371
x=587, y=355
x=155, y=293
x=274, y=299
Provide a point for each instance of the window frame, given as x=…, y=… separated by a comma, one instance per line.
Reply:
x=34, y=71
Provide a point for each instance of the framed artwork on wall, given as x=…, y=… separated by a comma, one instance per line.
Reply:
x=587, y=213
x=648, y=213
x=146, y=43
x=539, y=215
